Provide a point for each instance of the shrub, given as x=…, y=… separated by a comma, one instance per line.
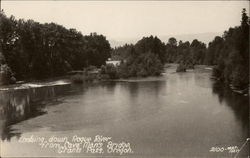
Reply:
x=104, y=77
x=240, y=78
x=218, y=71
x=77, y=78
x=110, y=70
x=91, y=68
x=6, y=75
x=144, y=65
x=181, y=68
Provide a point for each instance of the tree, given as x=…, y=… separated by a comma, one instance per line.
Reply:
x=6, y=75
x=142, y=59
x=233, y=54
x=36, y=51
x=198, y=50
x=213, y=51
x=98, y=49
x=172, y=41
x=171, y=50
x=153, y=45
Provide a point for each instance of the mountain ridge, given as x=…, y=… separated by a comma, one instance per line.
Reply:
x=203, y=37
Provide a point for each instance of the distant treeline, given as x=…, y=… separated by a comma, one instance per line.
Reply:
x=229, y=54
x=33, y=51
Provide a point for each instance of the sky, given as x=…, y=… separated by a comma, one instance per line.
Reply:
x=132, y=19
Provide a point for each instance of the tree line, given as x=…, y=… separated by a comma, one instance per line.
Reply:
x=32, y=50
x=228, y=54
x=148, y=56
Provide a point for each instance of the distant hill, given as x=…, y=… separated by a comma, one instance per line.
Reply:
x=116, y=43
x=204, y=37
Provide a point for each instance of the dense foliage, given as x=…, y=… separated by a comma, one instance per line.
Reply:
x=30, y=50
x=145, y=58
x=34, y=51
x=231, y=54
x=110, y=70
x=6, y=75
x=185, y=52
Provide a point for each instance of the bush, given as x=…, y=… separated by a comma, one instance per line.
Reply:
x=144, y=65
x=6, y=75
x=218, y=70
x=77, y=78
x=90, y=68
x=110, y=70
x=141, y=72
x=189, y=65
x=181, y=68
x=104, y=77
x=123, y=71
x=240, y=78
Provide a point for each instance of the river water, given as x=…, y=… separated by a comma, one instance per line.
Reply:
x=175, y=115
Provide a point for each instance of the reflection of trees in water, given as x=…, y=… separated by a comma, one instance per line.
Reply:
x=7, y=133
x=22, y=104
x=15, y=113
x=133, y=89
x=202, y=80
x=152, y=87
x=143, y=98
x=237, y=102
x=110, y=86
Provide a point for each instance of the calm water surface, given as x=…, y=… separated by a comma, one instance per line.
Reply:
x=175, y=115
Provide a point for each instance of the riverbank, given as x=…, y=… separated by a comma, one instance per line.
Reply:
x=168, y=68
x=149, y=113
x=36, y=84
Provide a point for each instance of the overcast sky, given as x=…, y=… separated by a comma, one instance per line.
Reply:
x=132, y=19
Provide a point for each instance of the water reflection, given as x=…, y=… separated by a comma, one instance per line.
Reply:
x=22, y=104
x=177, y=115
x=237, y=102
x=240, y=107
x=142, y=98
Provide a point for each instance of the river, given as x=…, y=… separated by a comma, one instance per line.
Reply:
x=174, y=115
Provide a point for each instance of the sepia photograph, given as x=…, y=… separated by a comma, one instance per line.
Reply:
x=124, y=79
